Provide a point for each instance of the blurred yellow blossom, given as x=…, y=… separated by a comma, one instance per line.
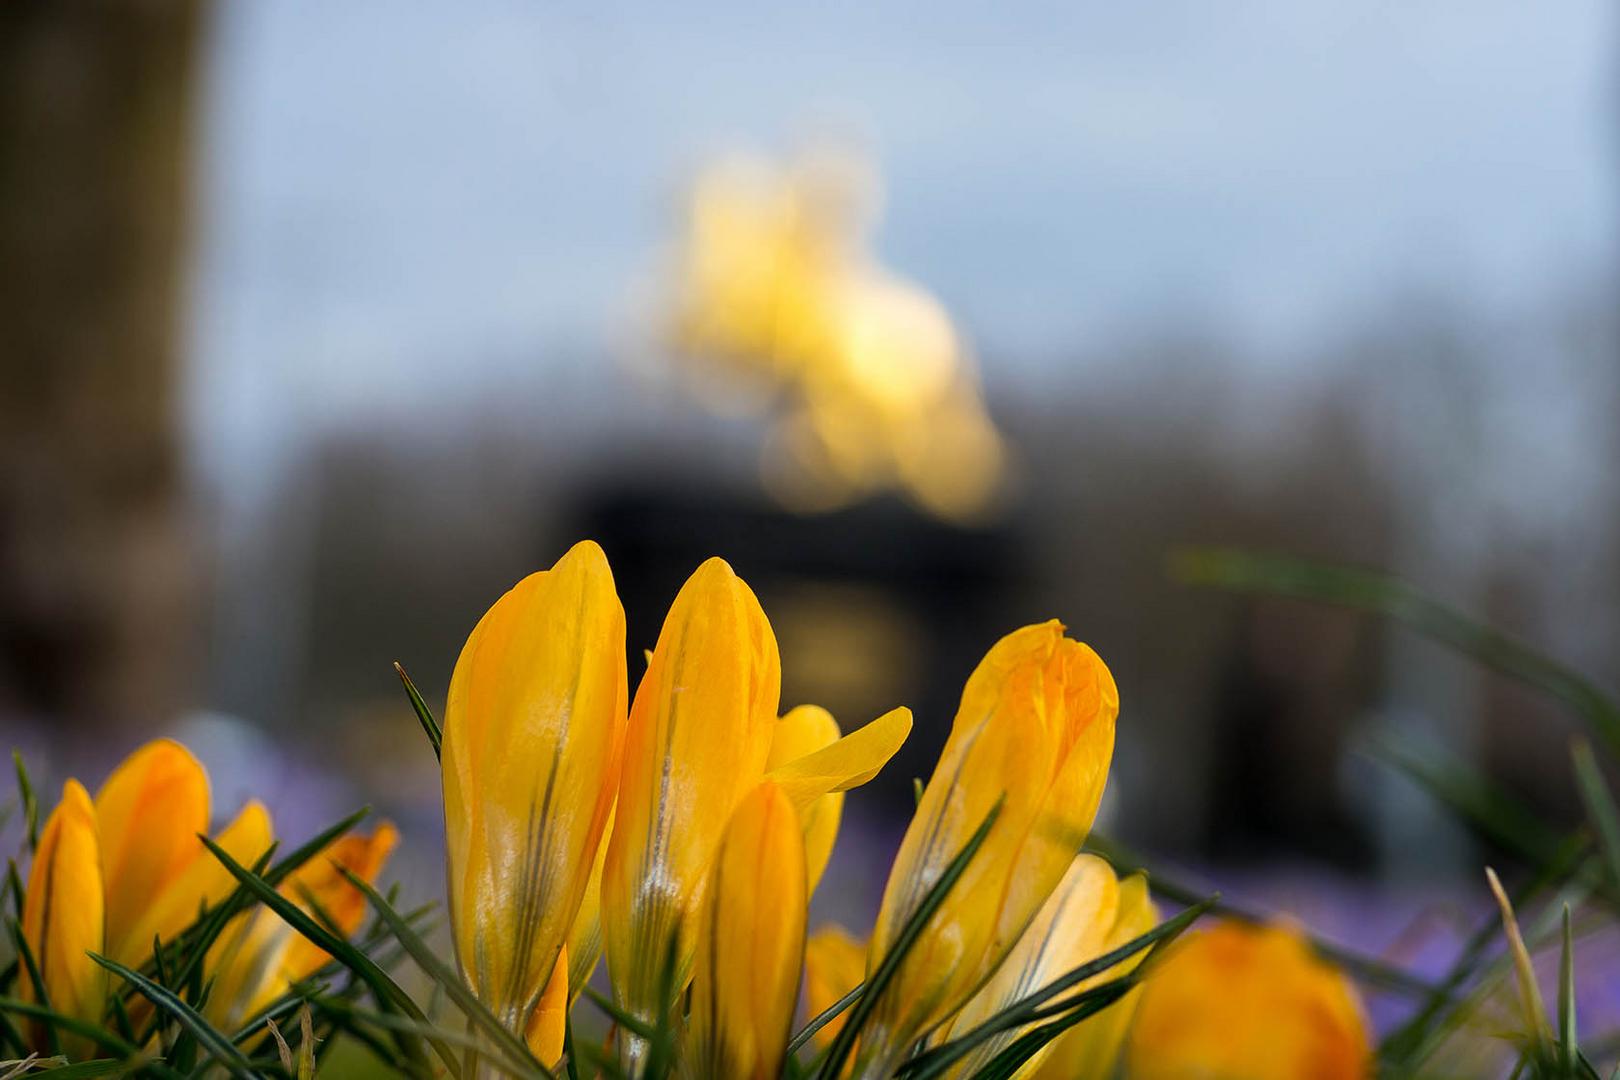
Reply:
x=872, y=388
x=1251, y=1002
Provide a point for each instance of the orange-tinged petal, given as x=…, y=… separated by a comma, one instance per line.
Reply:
x=258, y=957
x=548, y=1023
x=750, y=943
x=203, y=881
x=834, y=964
x=802, y=731
x=149, y=812
x=63, y=915
x=1034, y=733
x=321, y=882
x=533, y=731
x=1250, y=1001
x=700, y=729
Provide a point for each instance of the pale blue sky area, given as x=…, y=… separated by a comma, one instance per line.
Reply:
x=399, y=194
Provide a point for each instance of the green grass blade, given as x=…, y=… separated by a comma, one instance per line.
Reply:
x=30, y=803
x=25, y=957
x=1600, y=806
x=441, y=973
x=210, y=1038
x=424, y=715
x=1017, y=1053
x=1404, y=1047
x=624, y=1018
x=1381, y=594
x=1494, y=813
x=910, y=933
x=387, y=992
x=825, y=1017
x=1567, y=1047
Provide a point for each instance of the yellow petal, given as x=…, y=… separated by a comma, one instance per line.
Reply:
x=804, y=730
x=548, y=1023
x=322, y=882
x=1034, y=732
x=834, y=964
x=150, y=812
x=533, y=730
x=750, y=943
x=1251, y=1001
x=847, y=763
x=203, y=881
x=700, y=729
x=63, y=913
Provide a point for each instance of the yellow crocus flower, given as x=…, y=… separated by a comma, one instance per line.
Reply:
x=1251, y=1002
x=834, y=964
x=804, y=730
x=63, y=914
x=114, y=875
x=699, y=738
x=532, y=736
x=699, y=732
x=1035, y=733
x=156, y=874
x=259, y=957
x=750, y=943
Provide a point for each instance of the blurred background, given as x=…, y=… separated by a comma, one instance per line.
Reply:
x=323, y=324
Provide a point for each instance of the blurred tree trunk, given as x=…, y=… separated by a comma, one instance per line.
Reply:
x=96, y=118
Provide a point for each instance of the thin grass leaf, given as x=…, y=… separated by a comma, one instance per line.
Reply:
x=569, y=1069
x=25, y=956
x=84, y=1070
x=1530, y=1004
x=445, y=976
x=1361, y=590
x=1568, y=1050
x=1406, y=1045
x=1016, y=1054
x=103, y=1039
x=1493, y=812
x=30, y=803
x=424, y=715
x=625, y=1019
x=428, y=1030
x=282, y=1049
x=14, y=888
x=909, y=934
x=825, y=1017
x=1599, y=802
x=210, y=1038
x=386, y=991
x=1032, y=1007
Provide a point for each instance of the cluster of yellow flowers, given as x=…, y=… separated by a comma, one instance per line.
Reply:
x=874, y=388
x=114, y=874
x=683, y=832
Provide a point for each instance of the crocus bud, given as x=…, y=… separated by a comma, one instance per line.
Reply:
x=1034, y=734
x=532, y=734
